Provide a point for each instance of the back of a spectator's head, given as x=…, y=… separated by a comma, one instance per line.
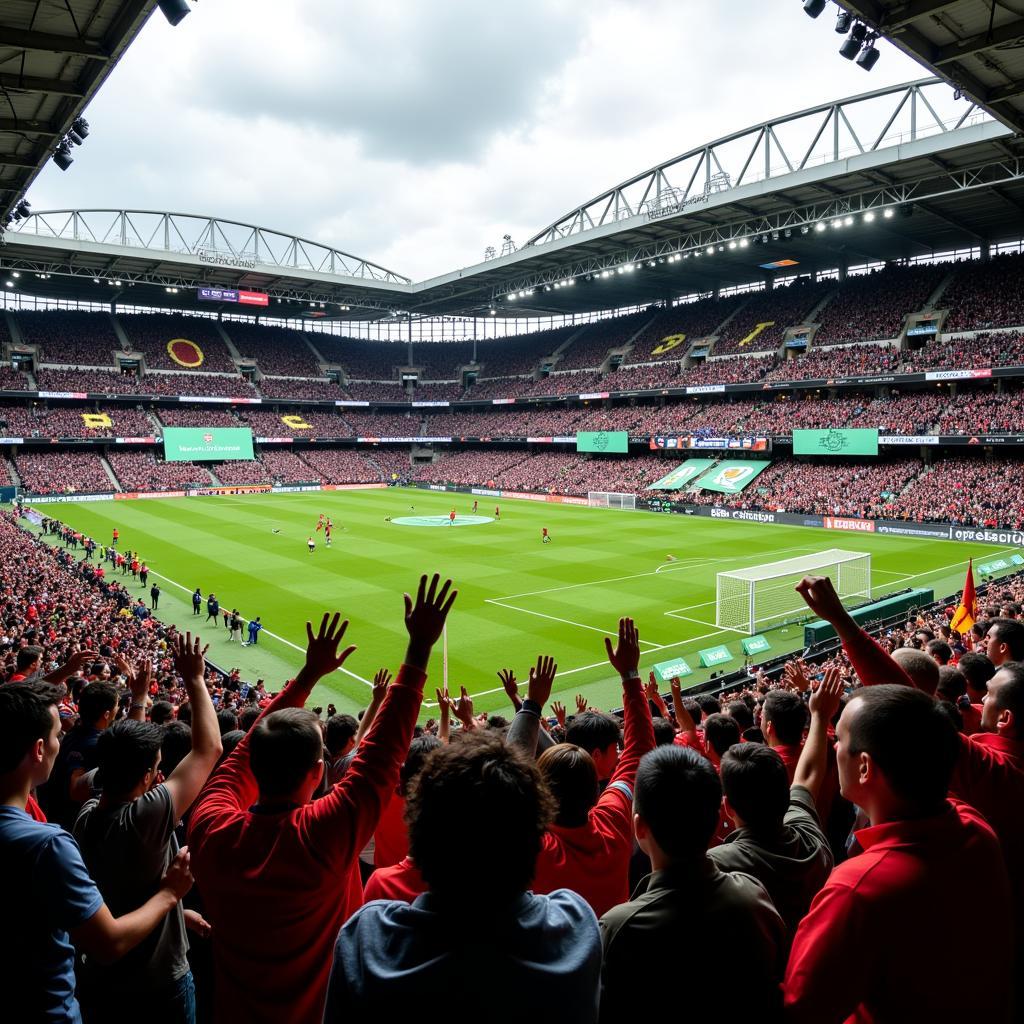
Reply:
x=227, y=721
x=896, y=746
x=756, y=785
x=677, y=801
x=694, y=709
x=97, y=704
x=1010, y=610
x=708, y=706
x=952, y=684
x=29, y=725
x=229, y=741
x=977, y=670
x=286, y=754
x=721, y=732
x=28, y=659
x=598, y=734
x=741, y=714
x=248, y=717
x=664, y=732
x=128, y=754
x=161, y=712
x=177, y=744
x=571, y=777
x=477, y=812
x=921, y=668
x=1003, y=711
x=339, y=734
x=939, y=651
x=786, y=713
x=1005, y=641
x=980, y=629
x=419, y=748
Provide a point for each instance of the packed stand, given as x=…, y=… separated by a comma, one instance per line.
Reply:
x=62, y=472
x=468, y=468
x=782, y=307
x=643, y=378
x=733, y=370
x=375, y=391
x=909, y=414
x=592, y=344
x=440, y=360
x=184, y=416
x=300, y=390
x=984, y=412
x=12, y=380
x=277, y=350
x=694, y=320
x=988, y=294
x=1000, y=348
x=70, y=337
x=505, y=421
x=293, y=423
x=572, y=383
x=65, y=421
x=344, y=465
x=499, y=387
x=243, y=471
x=382, y=424
x=143, y=471
x=151, y=333
x=285, y=467
x=520, y=354
x=362, y=360
x=873, y=306
x=846, y=361
x=164, y=384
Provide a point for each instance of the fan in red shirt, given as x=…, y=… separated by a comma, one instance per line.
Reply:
x=278, y=873
x=588, y=847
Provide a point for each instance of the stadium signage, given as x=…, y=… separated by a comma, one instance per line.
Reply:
x=711, y=656
x=424, y=405
x=503, y=401
x=12, y=440
x=957, y=374
x=221, y=259
x=295, y=489
x=63, y=394
x=743, y=514
x=55, y=499
x=592, y=395
x=706, y=389
x=133, y=440
x=132, y=495
x=985, y=536
x=676, y=668
x=898, y=529
x=207, y=492
x=755, y=645
x=485, y=491
x=836, y=442
x=888, y=439
x=856, y=525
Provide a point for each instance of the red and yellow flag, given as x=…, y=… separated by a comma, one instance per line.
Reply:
x=965, y=615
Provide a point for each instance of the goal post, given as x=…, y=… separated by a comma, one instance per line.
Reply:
x=763, y=596
x=611, y=499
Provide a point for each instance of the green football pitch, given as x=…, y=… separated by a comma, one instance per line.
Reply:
x=518, y=598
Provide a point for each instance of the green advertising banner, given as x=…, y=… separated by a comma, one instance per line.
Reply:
x=991, y=567
x=602, y=441
x=682, y=475
x=205, y=444
x=755, y=645
x=835, y=442
x=712, y=656
x=731, y=477
x=667, y=670
x=1017, y=559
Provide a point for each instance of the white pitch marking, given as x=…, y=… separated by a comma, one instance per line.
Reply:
x=555, y=618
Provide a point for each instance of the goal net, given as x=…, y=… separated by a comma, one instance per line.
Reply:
x=763, y=596
x=611, y=499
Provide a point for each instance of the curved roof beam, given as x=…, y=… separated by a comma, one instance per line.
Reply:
x=214, y=240
x=816, y=136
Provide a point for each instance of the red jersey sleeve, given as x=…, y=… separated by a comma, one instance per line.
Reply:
x=872, y=664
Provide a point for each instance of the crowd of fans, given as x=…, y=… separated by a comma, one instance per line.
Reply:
x=348, y=466
x=65, y=421
x=996, y=348
x=151, y=333
x=62, y=472
x=810, y=824
x=692, y=321
x=143, y=471
x=780, y=308
x=845, y=361
x=302, y=390
x=986, y=294
x=277, y=350
x=189, y=416
x=70, y=336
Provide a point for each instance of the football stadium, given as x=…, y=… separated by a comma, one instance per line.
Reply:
x=698, y=514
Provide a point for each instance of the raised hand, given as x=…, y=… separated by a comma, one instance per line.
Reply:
x=625, y=656
x=581, y=703
x=381, y=682
x=425, y=618
x=796, y=675
x=189, y=658
x=322, y=655
x=651, y=691
x=463, y=709
x=510, y=685
x=542, y=678
x=827, y=695
x=558, y=710
x=821, y=597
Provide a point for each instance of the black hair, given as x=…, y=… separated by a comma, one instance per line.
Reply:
x=248, y=716
x=571, y=776
x=125, y=752
x=709, y=706
x=664, y=732
x=952, y=684
x=910, y=739
x=477, y=812
x=741, y=714
x=338, y=731
x=788, y=715
x=176, y=746
x=161, y=712
x=229, y=741
x=284, y=746
x=756, y=783
x=27, y=657
x=25, y=718
x=678, y=796
x=416, y=757
x=977, y=669
x=1009, y=695
x=1011, y=633
x=940, y=651
x=227, y=721
x=95, y=700
x=721, y=732
x=593, y=730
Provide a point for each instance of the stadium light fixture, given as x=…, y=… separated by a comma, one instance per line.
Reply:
x=493, y=312
x=10, y=284
x=629, y=268
x=175, y=11
x=869, y=216
x=744, y=243
x=813, y=8
x=606, y=273
x=95, y=280
x=843, y=21
x=820, y=226
x=710, y=250
x=888, y=212
x=847, y=221
x=62, y=155
x=22, y=210
x=868, y=56
x=732, y=245
x=853, y=42
x=511, y=296
x=15, y=273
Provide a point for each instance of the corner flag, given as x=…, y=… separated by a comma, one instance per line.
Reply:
x=964, y=616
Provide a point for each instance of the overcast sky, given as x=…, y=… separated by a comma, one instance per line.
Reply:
x=416, y=134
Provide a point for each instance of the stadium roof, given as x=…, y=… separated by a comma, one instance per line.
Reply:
x=976, y=45
x=53, y=58
x=890, y=174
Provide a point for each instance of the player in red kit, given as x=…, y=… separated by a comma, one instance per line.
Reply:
x=545, y=537
x=451, y=518
x=497, y=512
x=328, y=526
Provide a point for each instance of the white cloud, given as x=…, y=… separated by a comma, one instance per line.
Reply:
x=417, y=134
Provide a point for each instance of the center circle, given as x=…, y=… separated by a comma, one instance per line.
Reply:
x=441, y=520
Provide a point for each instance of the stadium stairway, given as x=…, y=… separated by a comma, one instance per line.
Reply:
x=564, y=347
x=812, y=317
x=119, y=333
x=12, y=472
x=629, y=343
x=933, y=300
x=728, y=320
x=108, y=469
x=226, y=338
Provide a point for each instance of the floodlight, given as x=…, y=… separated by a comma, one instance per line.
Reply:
x=813, y=8
x=853, y=42
x=888, y=213
x=62, y=155
x=868, y=56
x=710, y=250
x=23, y=209
x=744, y=243
x=848, y=221
x=869, y=216
x=174, y=11
x=843, y=21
